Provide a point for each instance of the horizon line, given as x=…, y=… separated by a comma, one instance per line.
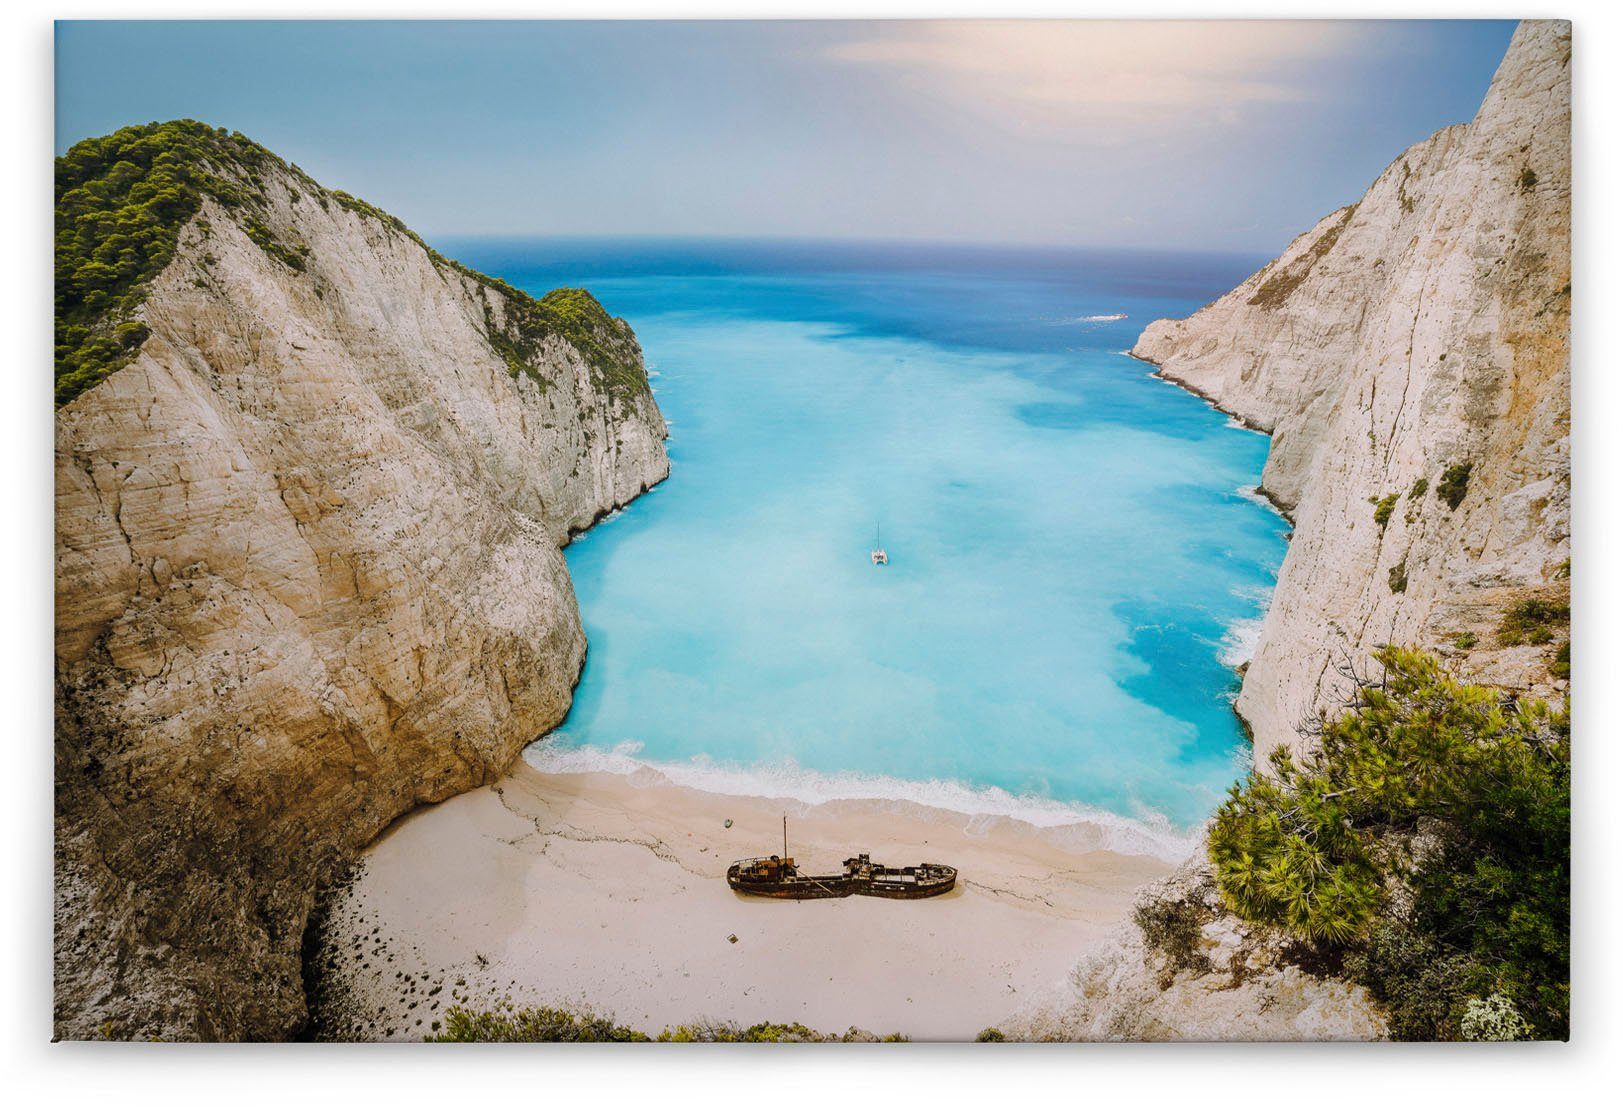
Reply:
x=831, y=240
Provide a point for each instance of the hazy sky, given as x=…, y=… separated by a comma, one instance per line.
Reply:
x=1216, y=135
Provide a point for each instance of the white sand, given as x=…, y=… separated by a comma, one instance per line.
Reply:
x=596, y=889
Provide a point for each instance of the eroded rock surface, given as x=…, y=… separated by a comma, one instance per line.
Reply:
x=1187, y=970
x=308, y=577
x=1422, y=329
x=1419, y=331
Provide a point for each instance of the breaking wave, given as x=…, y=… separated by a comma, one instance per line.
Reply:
x=1254, y=494
x=1072, y=826
x=1117, y=317
x=1240, y=640
x=1239, y=643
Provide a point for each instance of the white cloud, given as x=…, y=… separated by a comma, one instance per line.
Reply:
x=1065, y=71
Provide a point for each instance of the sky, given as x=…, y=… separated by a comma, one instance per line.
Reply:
x=1206, y=136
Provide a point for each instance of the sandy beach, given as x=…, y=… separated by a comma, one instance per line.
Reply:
x=607, y=891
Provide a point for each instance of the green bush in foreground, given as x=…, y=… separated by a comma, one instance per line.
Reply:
x=1427, y=839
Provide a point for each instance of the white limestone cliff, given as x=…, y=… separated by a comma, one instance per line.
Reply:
x=1420, y=329
x=308, y=577
x=1424, y=327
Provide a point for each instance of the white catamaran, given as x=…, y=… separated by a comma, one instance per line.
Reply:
x=879, y=556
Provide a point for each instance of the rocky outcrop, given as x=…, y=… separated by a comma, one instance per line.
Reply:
x=1409, y=355
x=1184, y=969
x=308, y=577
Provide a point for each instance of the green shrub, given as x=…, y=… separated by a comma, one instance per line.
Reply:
x=768, y=1032
x=1531, y=622
x=1383, y=509
x=1451, y=488
x=1427, y=837
x=778, y=1032
x=507, y=1023
x=991, y=1034
x=1286, y=856
x=1494, y=1019
x=1465, y=639
x=1410, y=975
x=1418, y=488
x=1172, y=926
x=1397, y=577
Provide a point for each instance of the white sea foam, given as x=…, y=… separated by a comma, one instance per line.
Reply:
x=1073, y=826
x=1239, y=644
x=1233, y=421
x=603, y=522
x=1117, y=317
x=1254, y=494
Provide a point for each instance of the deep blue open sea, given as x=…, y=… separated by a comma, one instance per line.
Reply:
x=1076, y=558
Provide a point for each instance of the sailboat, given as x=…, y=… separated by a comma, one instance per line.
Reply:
x=878, y=556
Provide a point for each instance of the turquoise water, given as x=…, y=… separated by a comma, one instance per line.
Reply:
x=1075, y=560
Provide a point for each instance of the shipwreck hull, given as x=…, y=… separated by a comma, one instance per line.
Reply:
x=837, y=888
x=777, y=879
x=922, y=890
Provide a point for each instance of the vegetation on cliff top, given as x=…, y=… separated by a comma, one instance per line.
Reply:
x=519, y=333
x=574, y=315
x=121, y=201
x=1426, y=842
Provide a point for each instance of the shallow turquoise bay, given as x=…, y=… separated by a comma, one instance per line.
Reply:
x=1074, y=560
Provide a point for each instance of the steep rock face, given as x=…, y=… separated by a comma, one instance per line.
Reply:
x=308, y=577
x=1421, y=330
